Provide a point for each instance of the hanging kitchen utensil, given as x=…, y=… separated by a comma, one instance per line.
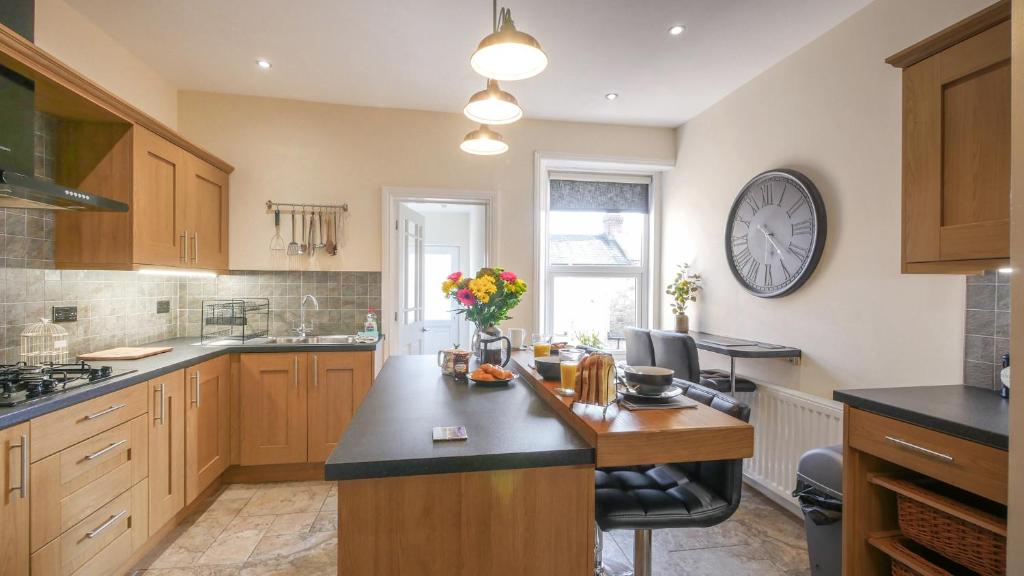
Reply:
x=331, y=247
x=320, y=228
x=304, y=246
x=293, y=246
x=312, y=244
x=276, y=241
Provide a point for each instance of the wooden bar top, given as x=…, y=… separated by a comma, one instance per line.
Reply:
x=623, y=437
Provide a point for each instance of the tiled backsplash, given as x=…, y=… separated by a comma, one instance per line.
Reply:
x=344, y=297
x=987, y=328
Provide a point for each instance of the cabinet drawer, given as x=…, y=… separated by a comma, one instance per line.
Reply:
x=83, y=541
x=974, y=467
x=58, y=430
x=69, y=486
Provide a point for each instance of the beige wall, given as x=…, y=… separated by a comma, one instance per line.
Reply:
x=832, y=111
x=325, y=153
x=75, y=40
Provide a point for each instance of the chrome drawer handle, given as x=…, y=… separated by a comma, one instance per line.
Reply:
x=22, y=490
x=105, y=412
x=921, y=449
x=110, y=522
x=96, y=455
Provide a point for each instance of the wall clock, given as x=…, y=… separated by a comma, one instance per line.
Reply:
x=775, y=233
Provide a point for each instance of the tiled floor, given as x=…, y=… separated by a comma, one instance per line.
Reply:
x=291, y=529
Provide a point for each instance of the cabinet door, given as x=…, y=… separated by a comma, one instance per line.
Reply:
x=207, y=424
x=273, y=408
x=158, y=200
x=206, y=194
x=339, y=381
x=956, y=146
x=14, y=508
x=166, y=449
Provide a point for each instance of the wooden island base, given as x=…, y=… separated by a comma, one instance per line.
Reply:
x=537, y=521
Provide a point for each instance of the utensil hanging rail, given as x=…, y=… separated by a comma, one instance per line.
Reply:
x=288, y=206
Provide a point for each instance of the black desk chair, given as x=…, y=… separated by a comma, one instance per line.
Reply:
x=681, y=495
x=678, y=351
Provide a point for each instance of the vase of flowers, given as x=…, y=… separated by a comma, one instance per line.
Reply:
x=486, y=300
x=683, y=290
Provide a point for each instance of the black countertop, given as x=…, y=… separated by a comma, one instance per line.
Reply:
x=186, y=352
x=970, y=413
x=508, y=427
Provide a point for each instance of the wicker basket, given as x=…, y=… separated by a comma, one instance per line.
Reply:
x=962, y=542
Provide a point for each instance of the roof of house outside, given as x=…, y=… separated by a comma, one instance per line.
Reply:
x=587, y=249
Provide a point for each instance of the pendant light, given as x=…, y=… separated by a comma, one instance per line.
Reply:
x=507, y=53
x=493, y=106
x=484, y=142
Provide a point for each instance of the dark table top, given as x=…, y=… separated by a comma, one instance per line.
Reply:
x=508, y=427
x=740, y=348
x=186, y=353
x=970, y=413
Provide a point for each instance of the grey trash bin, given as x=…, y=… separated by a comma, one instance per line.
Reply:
x=819, y=488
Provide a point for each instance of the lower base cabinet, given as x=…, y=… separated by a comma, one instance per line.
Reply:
x=14, y=503
x=207, y=424
x=166, y=448
x=338, y=383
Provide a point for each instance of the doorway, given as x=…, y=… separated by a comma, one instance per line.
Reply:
x=431, y=237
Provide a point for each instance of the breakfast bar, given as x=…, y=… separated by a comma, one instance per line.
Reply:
x=516, y=496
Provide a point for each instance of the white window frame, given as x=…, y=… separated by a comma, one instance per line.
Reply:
x=627, y=170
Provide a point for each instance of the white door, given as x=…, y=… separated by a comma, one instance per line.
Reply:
x=410, y=284
x=440, y=321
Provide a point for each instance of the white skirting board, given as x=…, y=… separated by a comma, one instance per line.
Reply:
x=787, y=423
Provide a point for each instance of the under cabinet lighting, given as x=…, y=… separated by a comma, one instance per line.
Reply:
x=1005, y=270
x=181, y=273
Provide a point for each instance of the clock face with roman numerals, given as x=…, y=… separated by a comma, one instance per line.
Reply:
x=775, y=233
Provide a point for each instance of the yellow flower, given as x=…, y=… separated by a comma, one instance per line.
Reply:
x=482, y=288
x=518, y=287
x=447, y=286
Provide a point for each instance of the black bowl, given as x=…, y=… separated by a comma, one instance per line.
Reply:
x=549, y=367
x=649, y=380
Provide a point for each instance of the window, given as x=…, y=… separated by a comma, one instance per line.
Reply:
x=596, y=255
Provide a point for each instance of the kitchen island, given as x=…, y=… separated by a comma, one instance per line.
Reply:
x=516, y=497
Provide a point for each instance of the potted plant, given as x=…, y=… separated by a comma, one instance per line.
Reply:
x=683, y=290
x=485, y=300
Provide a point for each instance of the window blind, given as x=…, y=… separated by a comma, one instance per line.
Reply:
x=577, y=195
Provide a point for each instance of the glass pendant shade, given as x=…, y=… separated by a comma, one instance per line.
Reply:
x=493, y=106
x=484, y=142
x=509, y=54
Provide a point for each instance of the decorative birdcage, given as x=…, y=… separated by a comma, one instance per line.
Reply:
x=44, y=343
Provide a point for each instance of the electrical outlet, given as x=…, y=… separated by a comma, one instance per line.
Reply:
x=163, y=306
x=65, y=314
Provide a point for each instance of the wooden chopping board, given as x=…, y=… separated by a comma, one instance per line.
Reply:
x=126, y=353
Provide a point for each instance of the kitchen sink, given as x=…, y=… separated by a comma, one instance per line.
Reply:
x=329, y=339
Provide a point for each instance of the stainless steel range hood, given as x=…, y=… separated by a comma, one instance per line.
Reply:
x=19, y=187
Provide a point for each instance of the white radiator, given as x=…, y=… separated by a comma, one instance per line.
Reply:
x=787, y=423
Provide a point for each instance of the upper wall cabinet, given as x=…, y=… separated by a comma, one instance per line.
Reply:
x=956, y=146
x=177, y=192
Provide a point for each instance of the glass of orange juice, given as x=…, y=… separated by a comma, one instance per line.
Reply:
x=541, y=345
x=568, y=362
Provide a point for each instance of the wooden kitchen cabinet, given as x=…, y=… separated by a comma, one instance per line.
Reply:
x=14, y=503
x=178, y=214
x=166, y=448
x=207, y=424
x=273, y=408
x=338, y=383
x=956, y=146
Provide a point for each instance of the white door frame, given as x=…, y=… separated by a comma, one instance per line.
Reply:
x=390, y=198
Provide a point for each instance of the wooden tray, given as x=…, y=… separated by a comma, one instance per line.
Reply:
x=126, y=353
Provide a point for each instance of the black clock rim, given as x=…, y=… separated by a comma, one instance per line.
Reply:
x=819, y=240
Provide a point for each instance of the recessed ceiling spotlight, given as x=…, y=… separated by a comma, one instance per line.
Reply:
x=611, y=96
x=677, y=30
x=264, y=64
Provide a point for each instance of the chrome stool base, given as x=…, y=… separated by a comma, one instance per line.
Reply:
x=641, y=556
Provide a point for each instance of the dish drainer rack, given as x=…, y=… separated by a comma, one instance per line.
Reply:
x=238, y=319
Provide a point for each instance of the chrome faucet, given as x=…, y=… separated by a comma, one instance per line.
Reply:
x=303, y=330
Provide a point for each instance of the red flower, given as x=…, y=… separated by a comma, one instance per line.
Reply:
x=508, y=276
x=455, y=276
x=466, y=296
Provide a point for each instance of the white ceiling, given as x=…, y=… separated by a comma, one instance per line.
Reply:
x=415, y=53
